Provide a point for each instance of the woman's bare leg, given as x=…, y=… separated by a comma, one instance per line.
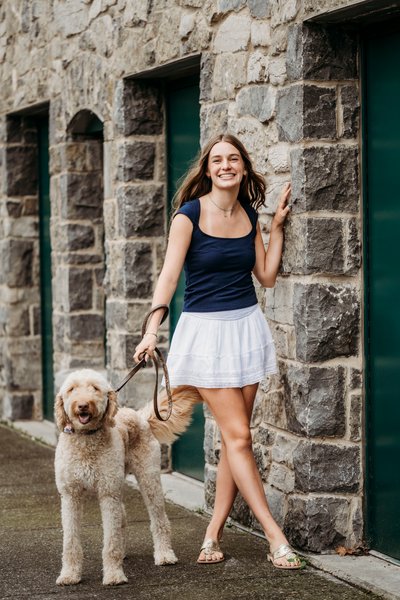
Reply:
x=226, y=489
x=229, y=410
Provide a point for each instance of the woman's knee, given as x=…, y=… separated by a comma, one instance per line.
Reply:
x=239, y=440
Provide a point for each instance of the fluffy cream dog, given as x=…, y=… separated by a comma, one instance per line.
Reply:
x=99, y=444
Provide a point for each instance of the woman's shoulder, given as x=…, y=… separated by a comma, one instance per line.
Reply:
x=191, y=209
x=251, y=211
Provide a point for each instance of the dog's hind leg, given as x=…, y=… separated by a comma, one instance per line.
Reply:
x=146, y=466
x=113, y=545
x=72, y=557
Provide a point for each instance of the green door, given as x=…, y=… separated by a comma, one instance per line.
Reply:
x=382, y=275
x=45, y=268
x=183, y=133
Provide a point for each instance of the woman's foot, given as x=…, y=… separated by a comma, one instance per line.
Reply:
x=210, y=552
x=284, y=557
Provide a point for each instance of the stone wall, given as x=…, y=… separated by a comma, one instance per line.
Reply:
x=290, y=91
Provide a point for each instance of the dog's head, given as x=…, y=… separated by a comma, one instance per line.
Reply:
x=86, y=402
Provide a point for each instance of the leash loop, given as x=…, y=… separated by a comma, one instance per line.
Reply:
x=157, y=360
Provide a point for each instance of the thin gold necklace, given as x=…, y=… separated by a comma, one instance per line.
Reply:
x=224, y=210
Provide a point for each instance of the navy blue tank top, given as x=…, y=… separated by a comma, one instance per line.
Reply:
x=218, y=270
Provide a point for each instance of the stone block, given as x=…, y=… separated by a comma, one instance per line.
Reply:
x=263, y=460
x=277, y=502
x=315, y=400
x=355, y=417
x=279, y=301
x=23, y=363
x=86, y=327
x=213, y=118
x=317, y=523
x=241, y=512
x=19, y=406
x=325, y=178
x=356, y=378
x=16, y=258
x=260, y=9
x=228, y=5
x=323, y=467
x=318, y=53
x=138, y=108
x=277, y=70
x=229, y=74
x=210, y=478
x=211, y=445
x=289, y=113
x=354, y=253
x=233, y=34
x=260, y=33
x=81, y=195
x=283, y=449
x=281, y=477
x=80, y=286
x=264, y=436
x=350, y=111
x=77, y=236
x=136, y=161
x=15, y=320
x=14, y=208
x=327, y=321
x=207, y=66
x=21, y=170
x=319, y=112
x=274, y=409
x=314, y=245
x=306, y=112
x=257, y=101
x=137, y=280
x=257, y=67
x=141, y=210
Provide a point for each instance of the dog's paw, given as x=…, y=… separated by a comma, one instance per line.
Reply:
x=166, y=557
x=68, y=578
x=116, y=577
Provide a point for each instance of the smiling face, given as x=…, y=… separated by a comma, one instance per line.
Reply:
x=225, y=166
x=85, y=397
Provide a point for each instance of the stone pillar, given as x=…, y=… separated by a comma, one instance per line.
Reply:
x=77, y=232
x=136, y=219
x=20, y=348
x=311, y=410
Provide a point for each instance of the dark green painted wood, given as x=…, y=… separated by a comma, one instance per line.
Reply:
x=45, y=268
x=382, y=271
x=183, y=133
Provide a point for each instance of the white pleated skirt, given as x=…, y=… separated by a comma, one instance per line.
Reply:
x=221, y=349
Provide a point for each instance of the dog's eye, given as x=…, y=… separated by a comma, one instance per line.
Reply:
x=70, y=389
x=96, y=389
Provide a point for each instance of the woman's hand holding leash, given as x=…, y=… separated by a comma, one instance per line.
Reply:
x=146, y=347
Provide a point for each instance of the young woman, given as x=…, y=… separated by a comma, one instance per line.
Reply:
x=222, y=344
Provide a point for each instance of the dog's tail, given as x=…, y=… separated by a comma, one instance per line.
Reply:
x=184, y=398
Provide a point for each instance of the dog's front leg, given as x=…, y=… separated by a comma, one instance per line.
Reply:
x=71, y=511
x=113, y=544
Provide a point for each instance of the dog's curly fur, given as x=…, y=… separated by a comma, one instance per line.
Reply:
x=107, y=443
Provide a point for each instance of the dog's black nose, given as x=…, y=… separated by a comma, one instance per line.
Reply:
x=83, y=407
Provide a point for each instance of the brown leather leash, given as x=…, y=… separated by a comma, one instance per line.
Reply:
x=157, y=359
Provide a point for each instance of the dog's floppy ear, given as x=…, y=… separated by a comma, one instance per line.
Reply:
x=112, y=408
x=59, y=413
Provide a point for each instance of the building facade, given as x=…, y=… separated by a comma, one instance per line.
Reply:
x=103, y=104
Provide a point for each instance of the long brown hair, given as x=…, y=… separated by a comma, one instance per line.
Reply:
x=196, y=183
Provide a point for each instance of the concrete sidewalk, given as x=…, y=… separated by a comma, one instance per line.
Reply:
x=31, y=542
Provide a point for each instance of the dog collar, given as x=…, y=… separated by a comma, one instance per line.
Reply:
x=69, y=430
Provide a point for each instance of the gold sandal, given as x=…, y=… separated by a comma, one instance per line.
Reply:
x=285, y=551
x=209, y=547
